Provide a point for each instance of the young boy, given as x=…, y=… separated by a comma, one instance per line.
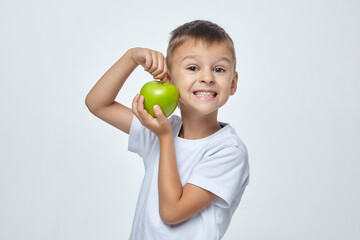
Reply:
x=196, y=168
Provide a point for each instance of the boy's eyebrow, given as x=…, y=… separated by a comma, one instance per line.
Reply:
x=197, y=57
x=190, y=57
x=225, y=59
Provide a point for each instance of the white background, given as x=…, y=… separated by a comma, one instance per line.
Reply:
x=64, y=174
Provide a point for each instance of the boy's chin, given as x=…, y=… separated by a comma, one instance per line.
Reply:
x=199, y=111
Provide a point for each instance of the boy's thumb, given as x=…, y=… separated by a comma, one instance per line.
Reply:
x=158, y=112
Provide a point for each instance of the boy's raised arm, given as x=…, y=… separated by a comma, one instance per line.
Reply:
x=101, y=98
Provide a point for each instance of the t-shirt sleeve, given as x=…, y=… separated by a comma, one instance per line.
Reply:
x=224, y=173
x=139, y=138
x=142, y=141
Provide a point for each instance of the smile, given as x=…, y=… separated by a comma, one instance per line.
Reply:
x=205, y=94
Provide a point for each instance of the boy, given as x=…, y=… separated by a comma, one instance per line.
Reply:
x=196, y=168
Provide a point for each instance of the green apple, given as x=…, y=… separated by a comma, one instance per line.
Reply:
x=160, y=93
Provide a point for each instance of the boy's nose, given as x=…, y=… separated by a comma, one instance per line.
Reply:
x=208, y=77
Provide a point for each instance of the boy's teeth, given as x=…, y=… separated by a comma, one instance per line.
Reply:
x=204, y=94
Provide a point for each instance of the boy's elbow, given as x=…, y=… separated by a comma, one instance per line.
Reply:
x=87, y=104
x=90, y=104
x=170, y=217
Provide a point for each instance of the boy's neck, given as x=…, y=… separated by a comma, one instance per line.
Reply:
x=198, y=126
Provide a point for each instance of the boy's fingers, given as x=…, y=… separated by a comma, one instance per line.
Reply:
x=165, y=75
x=163, y=72
x=160, y=76
x=160, y=68
x=140, y=103
x=148, y=61
x=165, y=67
x=141, y=110
x=154, y=64
x=138, y=109
x=134, y=102
x=134, y=105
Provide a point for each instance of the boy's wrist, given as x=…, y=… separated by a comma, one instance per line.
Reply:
x=130, y=54
x=165, y=137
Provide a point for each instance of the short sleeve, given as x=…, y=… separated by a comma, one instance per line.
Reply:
x=224, y=173
x=139, y=138
x=142, y=141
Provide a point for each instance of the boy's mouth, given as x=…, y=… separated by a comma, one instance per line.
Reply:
x=205, y=93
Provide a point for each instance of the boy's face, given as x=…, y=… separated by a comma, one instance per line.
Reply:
x=204, y=75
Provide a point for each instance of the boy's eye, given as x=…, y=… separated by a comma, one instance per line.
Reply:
x=192, y=68
x=219, y=70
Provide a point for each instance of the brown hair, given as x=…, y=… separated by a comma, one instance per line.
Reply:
x=198, y=30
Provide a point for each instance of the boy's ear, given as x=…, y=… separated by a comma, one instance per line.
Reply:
x=234, y=82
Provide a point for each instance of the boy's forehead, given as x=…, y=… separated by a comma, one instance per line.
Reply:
x=199, y=43
x=192, y=47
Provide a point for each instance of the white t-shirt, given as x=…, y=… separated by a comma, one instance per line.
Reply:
x=217, y=163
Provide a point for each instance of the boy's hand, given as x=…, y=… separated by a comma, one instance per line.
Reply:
x=160, y=125
x=153, y=62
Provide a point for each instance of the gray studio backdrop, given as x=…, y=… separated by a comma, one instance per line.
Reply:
x=65, y=175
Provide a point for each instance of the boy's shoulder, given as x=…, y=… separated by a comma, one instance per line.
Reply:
x=226, y=137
